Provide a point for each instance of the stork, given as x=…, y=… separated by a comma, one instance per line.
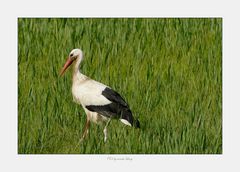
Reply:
x=100, y=102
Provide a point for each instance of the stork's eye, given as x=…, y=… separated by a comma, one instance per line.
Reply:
x=71, y=55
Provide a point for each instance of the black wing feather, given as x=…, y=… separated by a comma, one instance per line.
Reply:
x=117, y=109
x=113, y=96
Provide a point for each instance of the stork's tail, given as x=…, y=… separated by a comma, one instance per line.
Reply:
x=128, y=119
x=136, y=123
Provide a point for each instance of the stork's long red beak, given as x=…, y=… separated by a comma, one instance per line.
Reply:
x=66, y=65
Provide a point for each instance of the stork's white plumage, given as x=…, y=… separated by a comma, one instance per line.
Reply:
x=100, y=102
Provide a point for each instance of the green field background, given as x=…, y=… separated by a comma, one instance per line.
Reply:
x=168, y=70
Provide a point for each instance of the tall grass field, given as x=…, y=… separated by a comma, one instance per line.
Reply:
x=169, y=70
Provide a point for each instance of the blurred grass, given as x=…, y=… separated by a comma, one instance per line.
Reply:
x=168, y=70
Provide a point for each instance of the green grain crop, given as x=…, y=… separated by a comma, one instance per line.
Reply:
x=168, y=70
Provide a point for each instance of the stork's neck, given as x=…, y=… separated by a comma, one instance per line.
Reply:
x=77, y=75
x=77, y=65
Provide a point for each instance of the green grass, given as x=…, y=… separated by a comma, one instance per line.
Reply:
x=168, y=70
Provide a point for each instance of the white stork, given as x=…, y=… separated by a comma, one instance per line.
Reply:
x=100, y=102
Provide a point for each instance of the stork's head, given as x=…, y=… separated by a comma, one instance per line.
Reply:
x=75, y=55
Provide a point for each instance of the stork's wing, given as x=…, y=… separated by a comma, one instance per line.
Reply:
x=118, y=108
x=113, y=96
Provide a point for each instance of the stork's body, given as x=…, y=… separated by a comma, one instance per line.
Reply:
x=100, y=102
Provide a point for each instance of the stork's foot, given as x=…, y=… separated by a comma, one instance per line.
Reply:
x=85, y=133
x=105, y=134
x=85, y=130
x=81, y=140
x=105, y=131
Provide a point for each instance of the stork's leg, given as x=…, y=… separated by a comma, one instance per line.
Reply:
x=105, y=130
x=85, y=130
